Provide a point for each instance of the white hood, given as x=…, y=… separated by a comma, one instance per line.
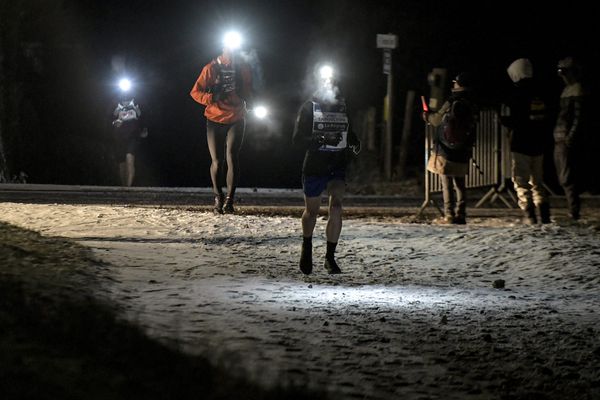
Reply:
x=520, y=69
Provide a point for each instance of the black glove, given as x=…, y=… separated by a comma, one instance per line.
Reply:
x=330, y=138
x=217, y=92
x=356, y=147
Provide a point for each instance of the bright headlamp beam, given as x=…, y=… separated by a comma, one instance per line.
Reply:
x=232, y=40
x=326, y=72
x=260, y=112
x=125, y=84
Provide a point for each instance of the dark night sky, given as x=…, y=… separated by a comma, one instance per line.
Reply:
x=166, y=43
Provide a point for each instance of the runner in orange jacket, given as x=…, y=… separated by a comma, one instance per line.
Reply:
x=223, y=87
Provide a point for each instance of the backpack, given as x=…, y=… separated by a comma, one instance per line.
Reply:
x=128, y=117
x=458, y=125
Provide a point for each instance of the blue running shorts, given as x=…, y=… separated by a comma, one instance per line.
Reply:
x=314, y=185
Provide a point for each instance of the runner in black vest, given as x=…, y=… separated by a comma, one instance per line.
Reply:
x=323, y=130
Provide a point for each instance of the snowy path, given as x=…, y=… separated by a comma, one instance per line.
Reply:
x=414, y=315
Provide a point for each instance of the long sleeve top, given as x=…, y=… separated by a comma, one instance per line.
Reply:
x=231, y=106
x=528, y=119
x=569, y=124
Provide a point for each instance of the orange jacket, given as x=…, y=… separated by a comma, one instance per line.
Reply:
x=230, y=108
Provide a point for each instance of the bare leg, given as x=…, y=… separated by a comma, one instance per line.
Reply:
x=130, y=169
x=310, y=214
x=309, y=220
x=336, y=191
x=123, y=173
x=235, y=138
x=216, y=147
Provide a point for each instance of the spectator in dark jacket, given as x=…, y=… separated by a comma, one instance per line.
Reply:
x=528, y=121
x=453, y=146
x=569, y=134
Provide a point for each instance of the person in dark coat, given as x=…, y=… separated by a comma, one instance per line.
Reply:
x=569, y=134
x=526, y=117
x=452, y=147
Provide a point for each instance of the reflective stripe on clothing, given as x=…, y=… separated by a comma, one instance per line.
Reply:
x=528, y=178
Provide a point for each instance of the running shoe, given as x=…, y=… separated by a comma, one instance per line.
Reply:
x=306, y=264
x=331, y=266
x=218, y=208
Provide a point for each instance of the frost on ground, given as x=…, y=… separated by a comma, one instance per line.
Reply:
x=488, y=310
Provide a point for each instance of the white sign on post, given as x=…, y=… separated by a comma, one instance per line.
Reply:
x=387, y=41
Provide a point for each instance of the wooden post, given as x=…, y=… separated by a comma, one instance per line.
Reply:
x=388, y=42
x=389, y=114
x=406, y=130
x=370, y=128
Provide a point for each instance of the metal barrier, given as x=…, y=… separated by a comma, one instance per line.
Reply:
x=489, y=166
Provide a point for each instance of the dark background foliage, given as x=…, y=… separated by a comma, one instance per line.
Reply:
x=58, y=59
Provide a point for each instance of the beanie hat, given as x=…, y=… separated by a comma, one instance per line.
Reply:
x=520, y=69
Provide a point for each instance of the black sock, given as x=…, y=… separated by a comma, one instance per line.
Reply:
x=306, y=255
x=330, y=249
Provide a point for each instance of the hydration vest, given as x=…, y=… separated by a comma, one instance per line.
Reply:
x=128, y=111
x=227, y=76
x=334, y=119
x=128, y=115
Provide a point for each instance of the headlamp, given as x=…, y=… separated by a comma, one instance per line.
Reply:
x=326, y=72
x=125, y=84
x=232, y=40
